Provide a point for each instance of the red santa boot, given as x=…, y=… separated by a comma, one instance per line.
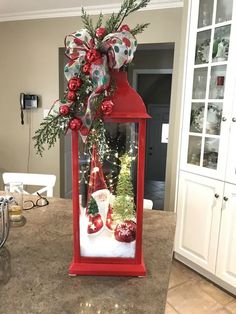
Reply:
x=95, y=223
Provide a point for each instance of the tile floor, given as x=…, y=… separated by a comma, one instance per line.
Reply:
x=190, y=293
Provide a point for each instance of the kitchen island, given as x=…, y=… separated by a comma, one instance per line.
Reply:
x=35, y=259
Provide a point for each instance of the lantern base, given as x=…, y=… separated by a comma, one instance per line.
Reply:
x=95, y=269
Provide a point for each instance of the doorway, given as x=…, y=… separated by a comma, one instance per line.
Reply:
x=154, y=86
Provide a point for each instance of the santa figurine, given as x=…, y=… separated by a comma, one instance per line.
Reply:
x=98, y=191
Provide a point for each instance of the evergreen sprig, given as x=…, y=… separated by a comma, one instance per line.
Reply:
x=52, y=127
x=88, y=23
x=127, y=7
x=114, y=22
x=139, y=28
x=99, y=21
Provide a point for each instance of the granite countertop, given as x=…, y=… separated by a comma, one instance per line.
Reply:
x=35, y=259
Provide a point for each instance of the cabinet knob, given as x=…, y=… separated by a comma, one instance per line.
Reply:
x=225, y=198
x=217, y=195
x=234, y=119
x=224, y=119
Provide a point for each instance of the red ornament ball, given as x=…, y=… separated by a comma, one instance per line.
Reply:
x=74, y=83
x=107, y=107
x=125, y=231
x=92, y=55
x=64, y=110
x=100, y=32
x=84, y=130
x=75, y=124
x=71, y=96
x=125, y=27
x=86, y=68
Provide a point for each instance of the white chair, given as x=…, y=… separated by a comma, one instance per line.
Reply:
x=46, y=181
x=148, y=204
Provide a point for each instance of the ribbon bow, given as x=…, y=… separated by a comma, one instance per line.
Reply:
x=117, y=50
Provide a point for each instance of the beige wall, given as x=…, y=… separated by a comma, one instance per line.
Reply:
x=29, y=63
x=176, y=115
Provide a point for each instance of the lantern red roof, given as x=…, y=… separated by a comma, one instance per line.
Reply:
x=127, y=102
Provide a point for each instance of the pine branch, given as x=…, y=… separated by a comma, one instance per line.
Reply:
x=99, y=21
x=50, y=129
x=132, y=6
x=128, y=7
x=88, y=23
x=139, y=28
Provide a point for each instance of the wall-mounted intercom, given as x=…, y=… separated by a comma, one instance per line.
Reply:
x=27, y=102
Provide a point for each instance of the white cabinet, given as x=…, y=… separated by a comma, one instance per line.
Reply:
x=206, y=226
x=198, y=219
x=209, y=88
x=231, y=161
x=226, y=257
x=206, y=197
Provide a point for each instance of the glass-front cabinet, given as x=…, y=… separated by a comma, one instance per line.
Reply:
x=210, y=81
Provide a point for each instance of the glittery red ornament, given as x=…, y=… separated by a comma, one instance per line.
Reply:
x=92, y=55
x=71, y=96
x=124, y=27
x=95, y=224
x=106, y=107
x=100, y=32
x=125, y=231
x=64, y=110
x=84, y=130
x=86, y=68
x=74, y=83
x=75, y=124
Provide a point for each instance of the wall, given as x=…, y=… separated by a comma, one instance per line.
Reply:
x=29, y=63
x=176, y=115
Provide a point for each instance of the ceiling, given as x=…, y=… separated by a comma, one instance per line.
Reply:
x=11, y=10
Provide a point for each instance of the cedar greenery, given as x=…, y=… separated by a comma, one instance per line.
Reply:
x=50, y=129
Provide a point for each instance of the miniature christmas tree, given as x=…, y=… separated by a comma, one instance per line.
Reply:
x=95, y=223
x=124, y=207
x=92, y=207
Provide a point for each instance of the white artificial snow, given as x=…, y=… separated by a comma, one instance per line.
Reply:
x=102, y=243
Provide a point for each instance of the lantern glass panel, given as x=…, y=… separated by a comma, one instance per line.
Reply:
x=108, y=188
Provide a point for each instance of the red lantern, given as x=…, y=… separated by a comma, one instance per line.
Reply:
x=108, y=222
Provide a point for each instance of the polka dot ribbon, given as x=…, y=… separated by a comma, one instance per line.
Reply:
x=118, y=50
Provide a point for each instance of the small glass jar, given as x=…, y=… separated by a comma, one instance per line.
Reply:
x=15, y=190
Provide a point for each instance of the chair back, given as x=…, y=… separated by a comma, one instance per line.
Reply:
x=147, y=204
x=46, y=181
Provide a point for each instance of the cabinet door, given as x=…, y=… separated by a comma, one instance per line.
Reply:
x=198, y=219
x=226, y=259
x=210, y=72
